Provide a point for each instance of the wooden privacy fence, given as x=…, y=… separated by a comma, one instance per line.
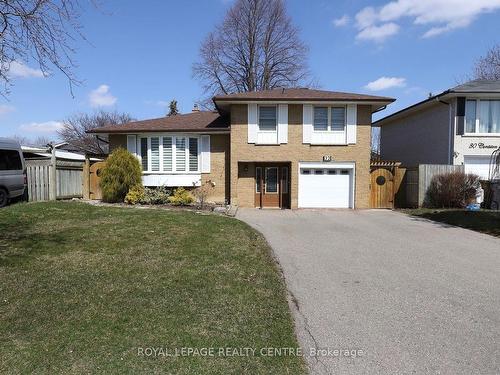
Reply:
x=69, y=179
x=43, y=185
x=38, y=174
x=416, y=181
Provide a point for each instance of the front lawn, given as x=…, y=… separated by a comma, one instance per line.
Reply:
x=87, y=289
x=485, y=221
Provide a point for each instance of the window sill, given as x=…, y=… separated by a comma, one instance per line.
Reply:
x=338, y=132
x=328, y=144
x=482, y=135
x=147, y=173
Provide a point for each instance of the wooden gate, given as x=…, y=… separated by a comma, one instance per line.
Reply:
x=95, y=179
x=385, y=179
x=382, y=188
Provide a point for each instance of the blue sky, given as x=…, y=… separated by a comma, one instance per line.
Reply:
x=139, y=55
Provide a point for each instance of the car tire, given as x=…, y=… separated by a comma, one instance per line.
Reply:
x=4, y=197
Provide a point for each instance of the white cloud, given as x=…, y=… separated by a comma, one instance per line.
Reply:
x=439, y=16
x=378, y=33
x=384, y=83
x=5, y=108
x=19, y=70
x=342, y=21
x=366, y=17
x=101, y=97
x=41, y=127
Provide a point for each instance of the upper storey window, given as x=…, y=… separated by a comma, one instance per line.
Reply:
x=329, y=119
x=482, y=116
x=267, y=118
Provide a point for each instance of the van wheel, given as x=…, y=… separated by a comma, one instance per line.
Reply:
x=4, y=198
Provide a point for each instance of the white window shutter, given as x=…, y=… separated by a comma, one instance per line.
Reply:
x=205, y=154
x=283, y=123
x=351, y=120
x=132, y=144
x=252, y=123
x=307, y=123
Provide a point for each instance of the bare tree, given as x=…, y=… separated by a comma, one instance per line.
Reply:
x=74, y=130
x=488, y=66
x=39, y=141
x=255, y=48
x=39, y=31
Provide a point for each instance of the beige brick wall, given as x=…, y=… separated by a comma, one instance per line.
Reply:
x=242, y=186
x=219, y=168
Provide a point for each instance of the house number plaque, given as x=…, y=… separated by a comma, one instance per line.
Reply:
x=327, y=157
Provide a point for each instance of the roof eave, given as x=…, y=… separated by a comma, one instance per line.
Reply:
x=414, y=106
x=134, y=131
x=305, y=100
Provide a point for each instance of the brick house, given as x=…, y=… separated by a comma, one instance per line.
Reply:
x=282, y=148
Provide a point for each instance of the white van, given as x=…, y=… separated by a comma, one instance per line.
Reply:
x=13, y=179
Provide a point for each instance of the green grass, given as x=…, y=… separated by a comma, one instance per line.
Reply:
x=82, y=288
x=484, y=221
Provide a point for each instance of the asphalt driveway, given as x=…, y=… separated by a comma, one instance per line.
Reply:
x=403, y=295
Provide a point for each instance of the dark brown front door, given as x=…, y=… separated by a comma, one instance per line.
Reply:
x=272, y=186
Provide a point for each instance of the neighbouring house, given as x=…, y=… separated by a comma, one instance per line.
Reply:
x=44, y=153
x=460, y=126
x=283, y=148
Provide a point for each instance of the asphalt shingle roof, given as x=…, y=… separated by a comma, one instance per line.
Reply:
x=201, y=121
x=478, y=85
x=292, y=94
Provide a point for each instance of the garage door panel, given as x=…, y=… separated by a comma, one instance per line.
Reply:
x=325, y=190
x=479, y=165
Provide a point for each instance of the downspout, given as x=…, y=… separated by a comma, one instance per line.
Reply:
x=450, y=129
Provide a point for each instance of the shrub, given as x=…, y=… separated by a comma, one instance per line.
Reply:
x=157, y=195
x=181, y=197
x=202, y=192
x=452, y=190
x=135, y=195
x=121, y=172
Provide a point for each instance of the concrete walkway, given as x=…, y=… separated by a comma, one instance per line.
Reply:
x=404, y=295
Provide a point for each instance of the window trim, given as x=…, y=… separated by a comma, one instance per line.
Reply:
x=329, y=128
x=174, y=137
x=258, y=118
x=476, y=132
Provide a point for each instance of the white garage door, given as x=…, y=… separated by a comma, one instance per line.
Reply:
x=479, y=165
x=325, y=187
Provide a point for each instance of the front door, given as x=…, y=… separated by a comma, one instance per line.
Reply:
x=271, y=186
